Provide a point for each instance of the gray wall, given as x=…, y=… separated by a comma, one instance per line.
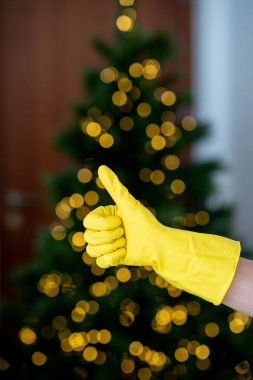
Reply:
x=222, y=34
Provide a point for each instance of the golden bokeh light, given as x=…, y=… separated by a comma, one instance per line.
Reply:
x=4, y=364
x=157, y=177
x=202, y=352
x=76, y=200
x=38, y=358
x=136, y=70
x=135, y=348
x=152, y=130
x=78, y=314
x=78, y=239
x=189, y=123
x=145, y=174
x=58, y=232
x=126, y=318
x=127, y=366
x=59, y=322
x=171, y=162
x=124, y=23
x=27, y=335
x=101, y=358
x=126, y=123
x=168, y=128
x=243, y=367
x=105, y=121
x=144, y=373
x=125, y=84
x=77, y=341
x=202, y=217
x=168, y=98
x=144, y=109
x=93, y=129
x=126, y=3
x=106, y=140
x=181, y=354
x=193, y=308
x=98, y=289
x=177, y=186
x=212, y=329
x=109, y=74
x=203, y=365
x=158, y=142
x=104, y=336
x=91, y=198
x=151, y=69
x=90, y=353
x=123, y=274
x=93, y=307
x=63, y=209
x=84, y=175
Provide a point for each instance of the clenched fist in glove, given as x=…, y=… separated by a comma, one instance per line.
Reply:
x=128, y=233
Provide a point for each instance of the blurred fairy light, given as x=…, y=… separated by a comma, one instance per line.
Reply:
x=58, y=231
x=168, y=128
x=93, y=129
x=158, y=142
x=76, y=200
x=136, y=70
x=151, y=69
x=177, y=186
x=242, y=368
x=144, y=109
x=123, y=274
x=238, y=322
x=125, y=84
x=4, y=364
x=27, y=335
x=211, y=329
x=168, y=98
x=171, y=162
x=91, y=197
x=189, y=123
x=126, y=123
x=109, y=74
x=181, y=354
x=126, y=3
x=106, y=140
x=124, y=23
x=127, y=366
x=157, y=177
x=119, y=98
x=84, y=175
x=38, y=358
x=169, y=116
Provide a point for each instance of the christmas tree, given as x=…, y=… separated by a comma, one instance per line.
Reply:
x=79, y=321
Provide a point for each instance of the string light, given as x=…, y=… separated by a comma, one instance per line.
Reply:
x=152, y=130
x=124, y=23
x=106, y=140
x=168, y=128
x=171, y=162
x=126, y=123
x=84, y=175
x=125, y=84
x=181, y=354
x=189, y=123
x=76, y=200
x=168, y=98
x=93, y=129
x=211, y=329
x=157, y=177
x=38, y=358
x=126, y=3
x=144, y=109
x=177, y=186
x=27, y=335
x=127, y=366
x=91, y=198
x=158, y=142
x=136, y=70
x=109, y=74
x=94, y=113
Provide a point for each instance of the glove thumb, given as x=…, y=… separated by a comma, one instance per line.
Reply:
x=117, y=191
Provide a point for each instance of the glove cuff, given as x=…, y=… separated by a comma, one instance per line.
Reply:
x=201, y=264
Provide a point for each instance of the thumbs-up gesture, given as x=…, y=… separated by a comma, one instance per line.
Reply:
x=119, y=234
x=128, y=233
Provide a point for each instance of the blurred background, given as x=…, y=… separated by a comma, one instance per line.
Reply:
x=45, y=45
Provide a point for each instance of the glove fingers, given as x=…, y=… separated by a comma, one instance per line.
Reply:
x=98, y=250
x=111, y=259
x=102, y=218
x=117, y=191
x=103, y=237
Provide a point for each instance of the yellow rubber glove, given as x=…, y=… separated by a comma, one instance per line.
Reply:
x=128, y=233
